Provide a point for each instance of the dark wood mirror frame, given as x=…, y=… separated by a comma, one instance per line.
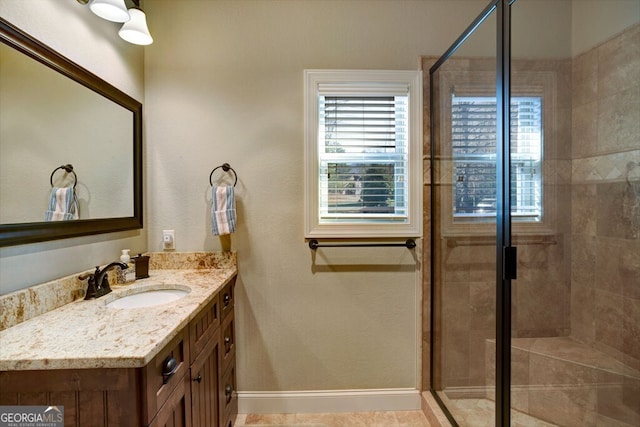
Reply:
x=22, y=233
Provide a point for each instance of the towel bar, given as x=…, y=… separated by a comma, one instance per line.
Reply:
x=314, y=244
x=225, y=167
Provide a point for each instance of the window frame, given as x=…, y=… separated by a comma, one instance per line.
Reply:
x=362, y=82
x=538, y=83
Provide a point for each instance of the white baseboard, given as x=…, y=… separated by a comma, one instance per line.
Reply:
x=265, y=402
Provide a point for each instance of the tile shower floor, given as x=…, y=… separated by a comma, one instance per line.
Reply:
x=347, y=419
x=480, y=413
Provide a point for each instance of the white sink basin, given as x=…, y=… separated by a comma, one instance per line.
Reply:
x=149, y=298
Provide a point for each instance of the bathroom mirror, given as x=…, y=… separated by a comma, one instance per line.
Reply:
x=54, y=113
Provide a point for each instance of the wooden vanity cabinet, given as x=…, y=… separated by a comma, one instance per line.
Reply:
x=211, y=377
x=91, y=397
x=200, y=392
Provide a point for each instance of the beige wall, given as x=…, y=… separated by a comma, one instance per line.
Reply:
x=595, y=21
x=93, y=43
x=224, y=83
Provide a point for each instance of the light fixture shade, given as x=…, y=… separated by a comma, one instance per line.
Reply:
x=111, y=10
x=135, y=30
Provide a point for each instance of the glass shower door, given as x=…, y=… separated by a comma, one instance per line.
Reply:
x=558, y=343
x=464, y=106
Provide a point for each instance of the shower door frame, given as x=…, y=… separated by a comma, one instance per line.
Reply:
x=506, y=254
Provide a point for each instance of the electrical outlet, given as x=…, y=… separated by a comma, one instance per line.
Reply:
x=168, y=240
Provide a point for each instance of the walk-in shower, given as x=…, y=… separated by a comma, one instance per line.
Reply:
x=535, y=216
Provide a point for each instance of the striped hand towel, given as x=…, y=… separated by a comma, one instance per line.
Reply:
x=63, y=205
x=223, y=211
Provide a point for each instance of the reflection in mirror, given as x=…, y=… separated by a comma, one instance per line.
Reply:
x=49, y=120
x=56, y=113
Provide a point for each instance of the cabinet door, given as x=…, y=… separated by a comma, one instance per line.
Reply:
x=227, y=398
x=204, y=385
x=227, y=297
x=201, y=328
x=228, y=345
x=176, y=410
x=163, y=373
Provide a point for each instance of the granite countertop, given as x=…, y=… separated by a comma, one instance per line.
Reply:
x=88, y=334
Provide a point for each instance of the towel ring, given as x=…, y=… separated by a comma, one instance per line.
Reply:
x=225, y=167
x=68, y=169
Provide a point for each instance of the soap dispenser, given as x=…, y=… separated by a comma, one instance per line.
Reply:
x=128, y=275
x=142, y=266
x=125, y=257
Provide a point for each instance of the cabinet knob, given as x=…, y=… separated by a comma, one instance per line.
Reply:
x=227, y=340
x=198, y=379
x=169, y=367
x=226, y=299
x=228, y=390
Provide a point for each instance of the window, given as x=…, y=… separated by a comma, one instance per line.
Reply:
x=362, y=149
x=473, y=121
x=464, y=148
x=363, y=154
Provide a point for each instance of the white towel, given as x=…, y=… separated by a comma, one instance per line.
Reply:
x=63, y=204
x=223, y=210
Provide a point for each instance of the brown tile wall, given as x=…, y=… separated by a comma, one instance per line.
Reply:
x=465, y=267
x=605, y=285
x=585, y=280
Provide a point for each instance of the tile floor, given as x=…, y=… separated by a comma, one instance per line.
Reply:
x=468, y=413
x=347, y=419
x=480, y=413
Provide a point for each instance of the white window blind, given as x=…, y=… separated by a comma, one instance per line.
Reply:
x=363, y=157
x=474, y=155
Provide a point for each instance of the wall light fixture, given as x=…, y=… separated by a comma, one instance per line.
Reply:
x=111, y=10
x=134, y=28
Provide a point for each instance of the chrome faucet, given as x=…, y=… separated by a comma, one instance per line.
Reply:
x=98, y=283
